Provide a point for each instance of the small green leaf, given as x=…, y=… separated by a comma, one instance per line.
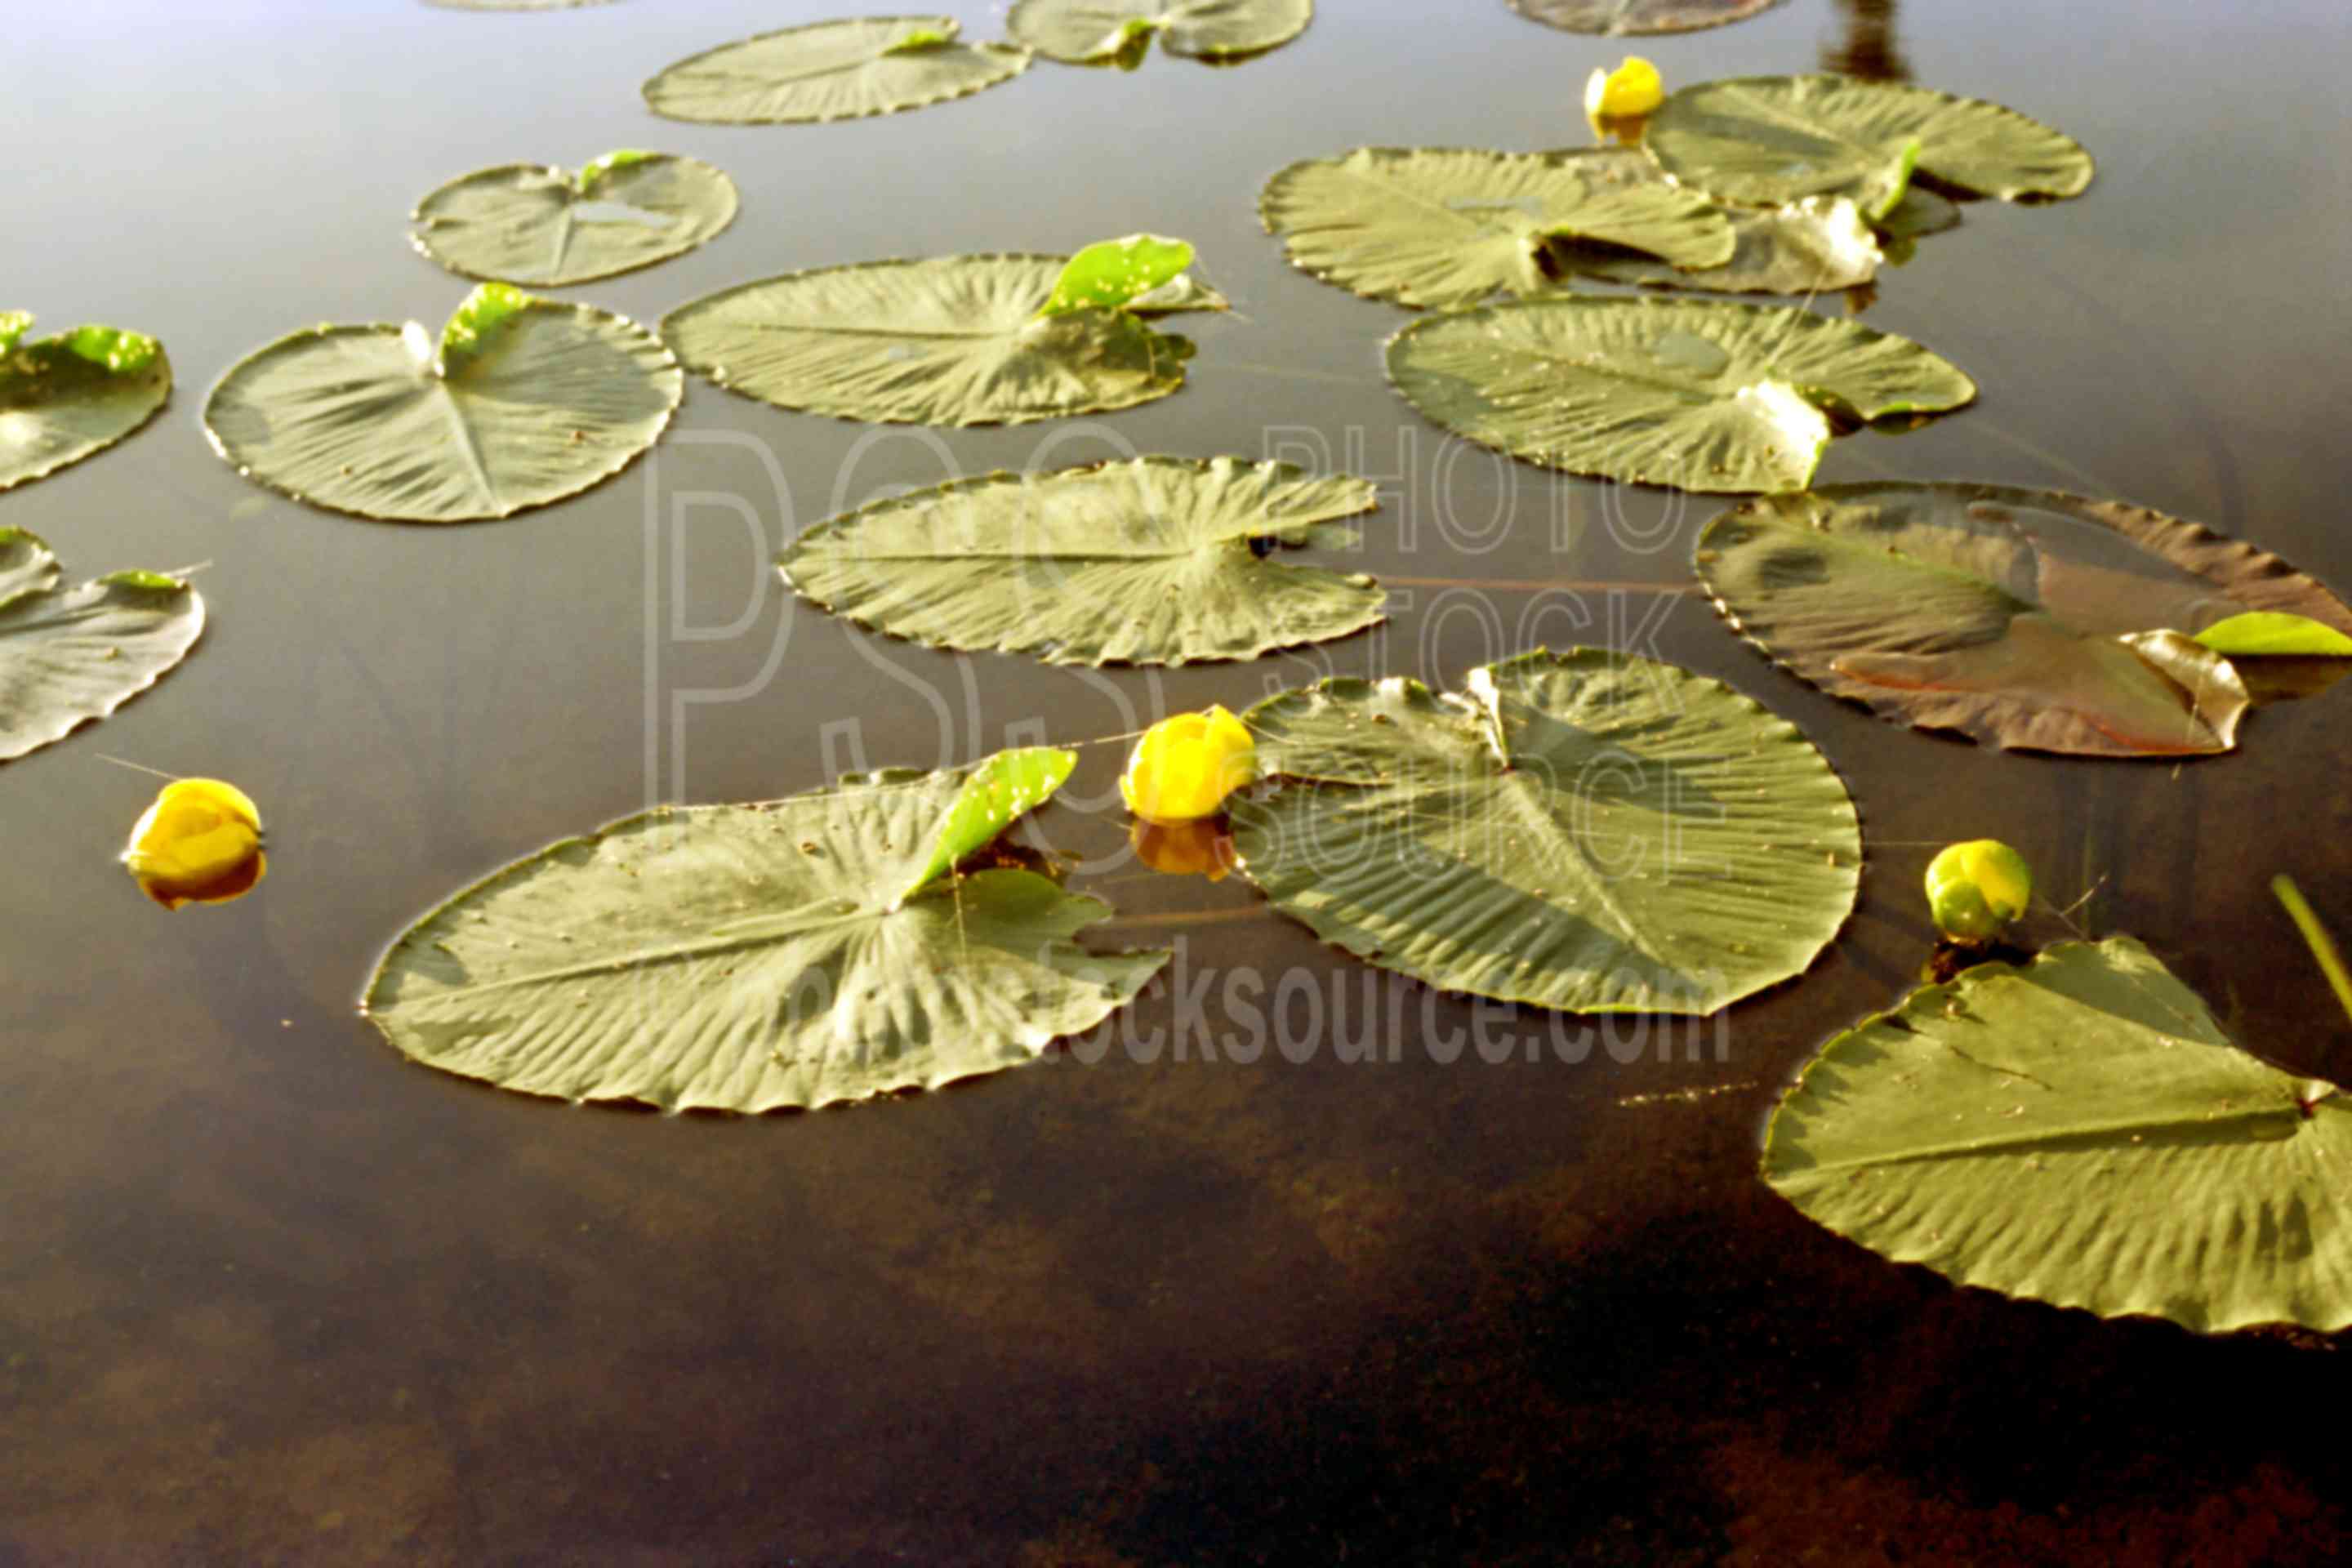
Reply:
x=124, y=354
x=14, y=324
x=594, y=171
x=154, y=582
x=923, y=39
x=1005, y=786
x=2259, y=632
x=1105, y=276
x=476, y=321
x=1896, y=182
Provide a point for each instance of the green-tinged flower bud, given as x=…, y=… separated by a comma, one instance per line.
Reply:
x=1977, y=888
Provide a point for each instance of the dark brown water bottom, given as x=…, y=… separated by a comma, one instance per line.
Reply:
x=267, y=1295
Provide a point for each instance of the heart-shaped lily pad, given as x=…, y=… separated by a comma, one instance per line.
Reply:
x=754, y=958
x=1582, y=830
x=1775, y=138
x=1119, y=32
x=529, y=223
x=1812, y=245
x=522, y=402
x=66, y=397
x=69, y=656
x=2025, y=618
x=831, y=70
x=948, y=339
x=1637, y=17
x=1445, y=226
x=1154, y=561
x=1701, y=394
x=2078, y=1131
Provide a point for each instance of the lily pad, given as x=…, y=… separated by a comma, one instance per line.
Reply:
x=69, y=656
x=1695, y=394
x=2078, y=1131
x=1772, y=139
x=1154, y=561
x=948, y=339
x=529, y=223
x=1816, y=244
x=751, y=958
x=831, y=70
x=1447, y=225
x=2023, y=618
x=526, y=401
x=1118, y=32
x=1629, y=19
x=1582, y=830
x=65, y=397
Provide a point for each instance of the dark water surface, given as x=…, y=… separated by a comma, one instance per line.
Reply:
x=268, y=1294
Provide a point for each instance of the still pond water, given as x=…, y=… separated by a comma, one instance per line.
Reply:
x=267, y=1294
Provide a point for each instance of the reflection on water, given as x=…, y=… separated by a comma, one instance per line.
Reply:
x=1398, y=1280
x=1866, y=47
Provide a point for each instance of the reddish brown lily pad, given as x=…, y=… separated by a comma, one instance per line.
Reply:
x=2027, y=619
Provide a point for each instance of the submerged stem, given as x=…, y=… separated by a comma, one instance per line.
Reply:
x=2314, y=936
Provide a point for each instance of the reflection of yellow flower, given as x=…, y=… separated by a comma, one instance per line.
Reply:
x=1632, y=90
x=199, y=843
x=1185, y=766
x=1201, y=848
x=1977, y=888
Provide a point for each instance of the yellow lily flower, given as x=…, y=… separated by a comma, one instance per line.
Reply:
x=200, y=842
x=1184, y=766
x=1629, y=93
x=1977, y=888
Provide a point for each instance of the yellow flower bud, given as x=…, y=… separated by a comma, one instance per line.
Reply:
x=199, y=843
x=1184, y=766
x=1200, y=848
x=1977, y=888
x=1632, y=90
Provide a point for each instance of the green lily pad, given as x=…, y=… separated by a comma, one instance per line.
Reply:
x=1813, y=245
x=1631, y=18
x=1154, y=561
x=66, y=397
x=948, y=339
x=2078, y=1131
x=2025, y=618
x=1445, y=226
x=525, y=402
x=1772, y=139
x=69, y=656
x=529, y=223
x=1582, y=830
x=831, y=70
x=1118, y=32
x=751, y=958
x=1700, y=395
